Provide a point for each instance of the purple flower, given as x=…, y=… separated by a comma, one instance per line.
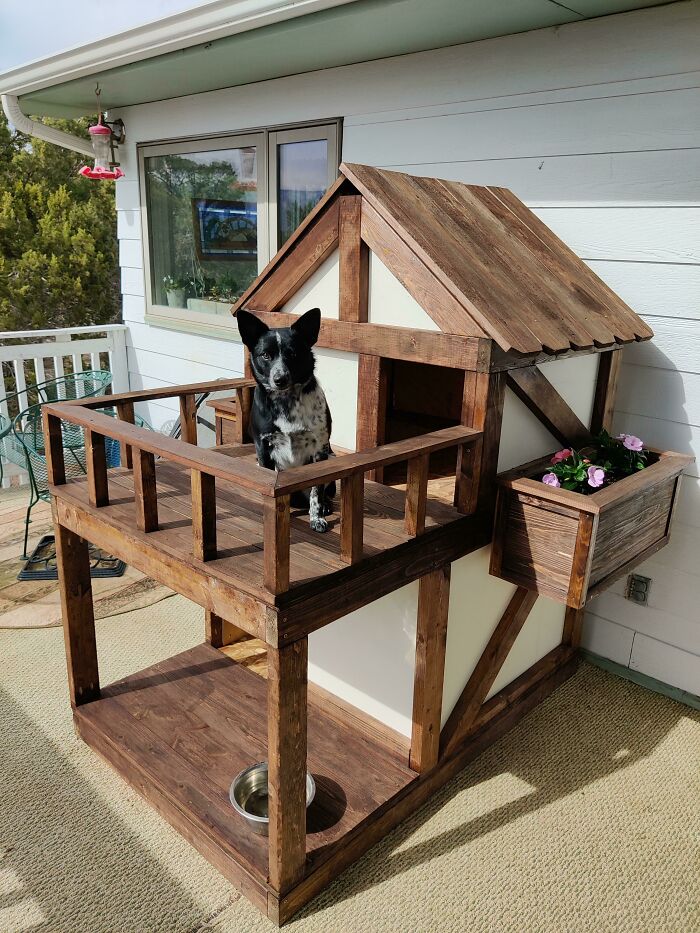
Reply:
x=551, y=479
x=631, y=442
x=596, y=476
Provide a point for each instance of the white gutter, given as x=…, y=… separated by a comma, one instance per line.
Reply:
x=191, y=27
x=14, y=114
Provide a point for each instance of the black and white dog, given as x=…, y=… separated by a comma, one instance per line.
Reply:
x=290, y=422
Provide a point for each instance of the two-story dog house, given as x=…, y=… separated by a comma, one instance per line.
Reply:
x=435, y=296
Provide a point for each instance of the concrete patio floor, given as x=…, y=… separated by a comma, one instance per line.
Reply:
x=36, y=603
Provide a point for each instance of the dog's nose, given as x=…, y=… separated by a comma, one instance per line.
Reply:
x=281, y=380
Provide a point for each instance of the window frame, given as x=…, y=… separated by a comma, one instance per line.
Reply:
x=218, y=321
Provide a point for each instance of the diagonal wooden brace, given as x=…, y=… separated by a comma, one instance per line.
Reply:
x=487, y=667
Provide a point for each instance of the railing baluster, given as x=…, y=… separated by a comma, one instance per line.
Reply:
x=188, y=419
x=53, y=449
x=96, y=463
x=276, y=544
x=416, y=494
x=203, y=515
x=352, y=494
x=145, y=495
x=125, y=412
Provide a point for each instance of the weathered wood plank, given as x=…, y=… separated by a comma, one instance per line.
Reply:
x=125, y=412
x=431, y=639
x=145, y=493
x=353, y=257
x=352, y=490
x=188, y=419
x=372, y=395
x=78, y=618
x=218, y=632
x=96, y=465
x=547, y=405
x=287, y=686
x=398, y=343
x=276, y=538
x=487, y=667
x=203, y=516
x=416, y=494
x=605, y=391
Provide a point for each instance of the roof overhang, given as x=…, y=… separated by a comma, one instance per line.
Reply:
x=234, y=42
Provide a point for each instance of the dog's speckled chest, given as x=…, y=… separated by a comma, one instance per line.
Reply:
x=302, y=429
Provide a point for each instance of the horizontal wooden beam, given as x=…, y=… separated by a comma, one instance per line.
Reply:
x=547, y=405
x=314, y=474
x=149, y=395
x=396, y=343
x=248, y=475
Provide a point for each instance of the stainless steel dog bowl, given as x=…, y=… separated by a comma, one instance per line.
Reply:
x=248, y=796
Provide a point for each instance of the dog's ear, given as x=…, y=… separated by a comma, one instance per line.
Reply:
x=308, y=326
x=250, y=327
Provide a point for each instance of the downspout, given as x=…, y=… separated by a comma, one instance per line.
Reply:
x=13, y=112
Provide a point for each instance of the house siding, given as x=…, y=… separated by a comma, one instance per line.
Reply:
x=591, y=124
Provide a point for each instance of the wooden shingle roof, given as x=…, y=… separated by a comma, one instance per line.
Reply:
x=498, y=271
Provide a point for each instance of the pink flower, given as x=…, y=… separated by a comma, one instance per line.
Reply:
x=631, y=442
x=561, y=455
x=551, y=479
x=596, y=476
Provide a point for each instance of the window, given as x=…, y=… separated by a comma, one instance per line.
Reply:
x=216, y=210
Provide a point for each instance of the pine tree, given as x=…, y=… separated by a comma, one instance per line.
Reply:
x=58, y=246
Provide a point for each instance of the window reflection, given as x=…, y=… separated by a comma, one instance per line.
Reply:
x=302, y=169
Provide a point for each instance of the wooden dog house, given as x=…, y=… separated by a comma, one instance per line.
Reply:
x=491, y=295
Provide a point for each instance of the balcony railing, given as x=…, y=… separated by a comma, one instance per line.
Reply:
x=30, y=357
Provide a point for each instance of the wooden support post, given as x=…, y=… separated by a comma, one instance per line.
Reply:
x=547, y=405
x=96, y=464
x=372, y=395
x=188, y=419
x=477, y=464
x=352, y=493
x=78, y=619
x=125, y=412
x=244, y=400
x=487, y=667
x=203, y=515
x=431, y=639
x=286, y=739
x=145, y=495
x=53, y=447
x=353, y=262
x=573, y=624
x=276, y=544
x=416, y=495
x=218, y=632
x=605, y=391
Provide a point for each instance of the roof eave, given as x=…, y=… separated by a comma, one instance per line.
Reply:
x=172, y=33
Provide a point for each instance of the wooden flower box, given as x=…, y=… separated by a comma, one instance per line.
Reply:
x=570, y=547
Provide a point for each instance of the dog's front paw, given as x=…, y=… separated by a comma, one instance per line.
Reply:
x=318, y=524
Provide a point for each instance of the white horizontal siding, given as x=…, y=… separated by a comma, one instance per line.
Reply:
x=594, y=126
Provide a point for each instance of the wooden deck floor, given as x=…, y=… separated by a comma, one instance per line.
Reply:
x=181, y=730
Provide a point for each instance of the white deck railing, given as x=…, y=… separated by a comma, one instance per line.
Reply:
x=28, y=357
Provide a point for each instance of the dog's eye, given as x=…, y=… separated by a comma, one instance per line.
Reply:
x=265, y=356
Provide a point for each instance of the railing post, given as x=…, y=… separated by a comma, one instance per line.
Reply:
x=352, y=493
x=416, y=494
x=244, y=399
x=145, y=495
x=276, y=544
x=53, y=447
x=96, y=463
x=203, y=515
x=125, y=412
x=188, y=419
